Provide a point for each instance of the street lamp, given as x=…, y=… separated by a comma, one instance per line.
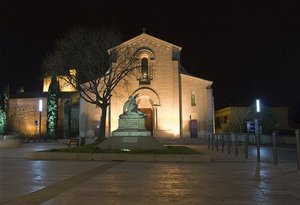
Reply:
x=257, y=105
x=257, y=130
x=40, y=120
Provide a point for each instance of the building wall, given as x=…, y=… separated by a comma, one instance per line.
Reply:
x=162, y=96
x=64, y=86
x=202, y=110
x=225, y=114
x=281, y=115
x=23, y=112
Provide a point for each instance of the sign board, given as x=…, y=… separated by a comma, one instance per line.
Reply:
x=250, y=127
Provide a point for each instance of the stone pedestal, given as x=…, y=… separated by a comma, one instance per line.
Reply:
x=131, y=133
x=129, y=142
x=131, y=126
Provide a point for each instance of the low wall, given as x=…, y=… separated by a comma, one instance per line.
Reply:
x=7, y=141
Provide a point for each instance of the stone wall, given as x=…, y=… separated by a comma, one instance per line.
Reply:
x=23, y=112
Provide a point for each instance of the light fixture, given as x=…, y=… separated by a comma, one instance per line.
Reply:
x=257, y=105
x=40, y=105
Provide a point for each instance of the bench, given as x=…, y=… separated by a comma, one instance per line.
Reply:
x=72, y=141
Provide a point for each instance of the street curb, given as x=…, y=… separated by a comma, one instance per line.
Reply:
x=119, y=157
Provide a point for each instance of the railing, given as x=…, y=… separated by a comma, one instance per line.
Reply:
x=217, y=140
x=229, y=141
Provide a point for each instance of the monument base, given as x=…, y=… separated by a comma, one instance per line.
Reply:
x=137, y=142
x=131, y=132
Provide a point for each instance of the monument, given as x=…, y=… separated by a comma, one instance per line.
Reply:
x=132, y=121
x=131, y=133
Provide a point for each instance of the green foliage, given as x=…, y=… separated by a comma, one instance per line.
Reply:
x=3, y=122
x=4, y=95
x=52, y=108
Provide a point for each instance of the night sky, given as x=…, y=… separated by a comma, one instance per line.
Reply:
x=249, y=49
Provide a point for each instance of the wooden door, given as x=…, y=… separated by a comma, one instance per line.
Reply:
x=148, y=123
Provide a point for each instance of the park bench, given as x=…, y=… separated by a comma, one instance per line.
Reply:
x=72, y=141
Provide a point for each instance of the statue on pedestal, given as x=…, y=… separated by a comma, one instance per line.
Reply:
x=130, y=108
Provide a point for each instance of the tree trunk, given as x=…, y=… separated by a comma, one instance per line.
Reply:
x=101, y=136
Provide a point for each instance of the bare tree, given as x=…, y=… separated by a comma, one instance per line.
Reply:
x=98, y=63
x=239, y=116
x=237, y=119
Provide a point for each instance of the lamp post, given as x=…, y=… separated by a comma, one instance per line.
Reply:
x=257, y=130
x=40, y=119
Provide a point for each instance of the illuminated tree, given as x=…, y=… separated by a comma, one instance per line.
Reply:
x=52, y=108
x=4, y=94
x=100, y=65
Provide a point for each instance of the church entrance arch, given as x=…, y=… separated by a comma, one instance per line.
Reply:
x=147, y=102
x=149, y=121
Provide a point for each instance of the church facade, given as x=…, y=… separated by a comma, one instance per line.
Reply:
x=176, y=103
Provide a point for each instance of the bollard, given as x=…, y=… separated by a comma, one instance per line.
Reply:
x=246, y=145
x=257, y=147
x=217, y=143
x=297, y=132
x=274, y=149
x=236, y=146
x=223, y=143
x=212, y=142
x=229, y=145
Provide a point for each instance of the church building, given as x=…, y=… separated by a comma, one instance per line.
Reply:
x=177, y=104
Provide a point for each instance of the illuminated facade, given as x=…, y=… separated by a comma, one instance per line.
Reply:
x=64, y=86
x=171, y=98
x=24, y=111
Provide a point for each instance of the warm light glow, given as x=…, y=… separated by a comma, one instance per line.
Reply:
x=40, y=105
x=64, y=86
x=257, y=105
x=30, y=130
x=46, y=83
x=171, y=125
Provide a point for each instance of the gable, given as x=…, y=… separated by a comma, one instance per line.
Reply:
x=144, y=37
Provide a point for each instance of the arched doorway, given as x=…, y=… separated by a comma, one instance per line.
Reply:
x=147, y=101
x=149, y=120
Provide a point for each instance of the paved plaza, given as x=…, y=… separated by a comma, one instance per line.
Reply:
x=227, y=179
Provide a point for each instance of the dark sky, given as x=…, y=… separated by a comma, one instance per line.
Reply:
x=249, y=49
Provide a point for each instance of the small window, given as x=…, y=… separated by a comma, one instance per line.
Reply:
x=144, y=78
x=144, y=68
x=193, y=98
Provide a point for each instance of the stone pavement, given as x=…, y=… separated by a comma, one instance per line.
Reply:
x=222, y=181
